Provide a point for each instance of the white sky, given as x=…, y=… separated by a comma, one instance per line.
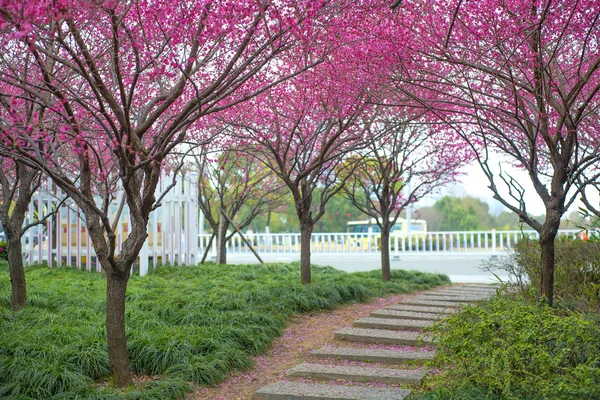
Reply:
x=475, y=184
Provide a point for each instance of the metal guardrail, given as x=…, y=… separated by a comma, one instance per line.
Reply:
x=440, y=243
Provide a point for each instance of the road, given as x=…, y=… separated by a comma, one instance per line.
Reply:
x=458, y=268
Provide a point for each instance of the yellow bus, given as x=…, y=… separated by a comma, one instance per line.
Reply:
x=370, y=226
x=363, y=228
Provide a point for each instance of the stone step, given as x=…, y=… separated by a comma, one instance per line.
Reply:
x=450, y=297
x=482, y=286
x=456, y=294
x=423, y=309
x=392, y=324
x=465, y=290
x=374, y=355
x=474, y=287
x=416, y=301
x=491, y=284
x=385, y=313
x=284, y=390
x=358, y=374
x=384, y=336
x=453, y=299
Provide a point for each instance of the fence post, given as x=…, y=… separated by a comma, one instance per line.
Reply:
x=144, y=259
x=494, y=250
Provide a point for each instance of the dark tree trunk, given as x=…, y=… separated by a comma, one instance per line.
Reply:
x=212, y=237
x=547, y=238
x=12, y=214
x=116, y=288
x=386, y=273
x=222, y=241
x=12, y=228
x=306, y=228
x=17, y=271
x=547, y=269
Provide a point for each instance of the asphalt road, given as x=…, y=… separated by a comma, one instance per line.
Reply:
x=458, y=268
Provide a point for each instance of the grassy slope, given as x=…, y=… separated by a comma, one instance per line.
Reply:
x=192, y=324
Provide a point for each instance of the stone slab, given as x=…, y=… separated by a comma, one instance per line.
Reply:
x=392, y=324
x=466, y=290
x=385, y=313
x=457, y=294
x=374, y=355
x=461, y=287
x=384, y=336
x=358, y=374
x=284, y=390
x=477, y=286
x=492, y=284
x=424, y=309
x=452, y=299
x=416, y=301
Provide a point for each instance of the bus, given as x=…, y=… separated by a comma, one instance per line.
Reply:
x=400, y=227
x=363, y=228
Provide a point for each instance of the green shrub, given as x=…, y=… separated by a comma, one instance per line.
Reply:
x=576, y=270
x=516, y=350
x=3, y=250
x=184, y=324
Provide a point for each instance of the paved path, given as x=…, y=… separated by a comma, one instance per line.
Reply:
x=331, y=377
x=458, y=267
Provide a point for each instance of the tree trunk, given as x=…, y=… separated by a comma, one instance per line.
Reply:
x=116, y=288
x=547, y=238
x=547, y=266
x=212, y=237
x=386, y=273
x=306, y=228
x=221, y=241
x=17, y=271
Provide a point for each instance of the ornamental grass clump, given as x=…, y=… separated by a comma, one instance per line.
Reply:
x=184, y=325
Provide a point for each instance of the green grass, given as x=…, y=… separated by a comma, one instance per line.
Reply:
x=184, y=325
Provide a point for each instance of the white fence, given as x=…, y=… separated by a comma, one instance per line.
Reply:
x=441, y=243
x=64, y=239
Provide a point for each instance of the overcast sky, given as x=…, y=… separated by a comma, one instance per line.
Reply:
x=475, y=184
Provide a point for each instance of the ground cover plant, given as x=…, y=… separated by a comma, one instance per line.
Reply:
x=513, y=349
x=184, y=324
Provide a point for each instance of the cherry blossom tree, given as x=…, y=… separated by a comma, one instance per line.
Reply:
x=403, y=162
x=303, y=134
x=125, y=83
x=519, y=78
x=19, y=112
x=231, y=180
x=18, y=182
x=305, y=128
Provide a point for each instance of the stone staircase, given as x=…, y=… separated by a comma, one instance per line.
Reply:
x=358, y=361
